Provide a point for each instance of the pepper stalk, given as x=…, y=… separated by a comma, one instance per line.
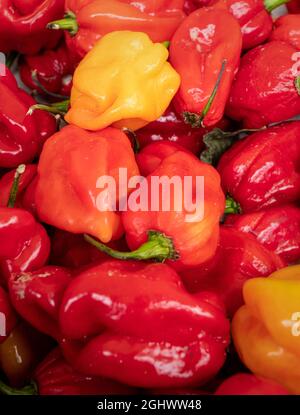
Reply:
x=15, y=186
x=30, y=389
x=158, y=247
x=271, y=5
x=58, y=108
x=69, y=23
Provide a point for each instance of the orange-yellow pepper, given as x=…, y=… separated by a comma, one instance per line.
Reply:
x=266, y=330
x=124, y=81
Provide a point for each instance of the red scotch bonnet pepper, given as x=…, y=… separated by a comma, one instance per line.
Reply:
x=23, y=24
x=22, y=135
x=102, y=305
x=262, y=170
x=8, y=318
x=205, y=51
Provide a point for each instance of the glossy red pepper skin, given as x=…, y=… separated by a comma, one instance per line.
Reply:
x=238, y=258
x=170, y=127
x=54, y=376
x=293, y=6
x=24, y=243
x=26, y=188
x=23, y=25
x=53, y=69
x=154, y=353
x=194, y=241
x=287, y=29
x=255, y=98
x=277, y=228
x=95, y=18
x=261, y=170
x=248, y=384
x=8, y=319
x=255, y=21
x=205, y=41
x=37, y=296
x=22, y=135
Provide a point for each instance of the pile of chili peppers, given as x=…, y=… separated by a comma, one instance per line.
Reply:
x=100, y=293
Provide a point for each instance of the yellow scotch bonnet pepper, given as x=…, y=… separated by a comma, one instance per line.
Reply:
x=266, y=330
x=124, y=81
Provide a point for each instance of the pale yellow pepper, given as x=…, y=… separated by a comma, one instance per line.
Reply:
x=266, y=330
x=124, y=81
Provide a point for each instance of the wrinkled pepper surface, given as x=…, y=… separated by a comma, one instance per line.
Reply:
x=262, y=170
x=287, y=29
x=102, y=303
x=22, y=135
x=125, y=81
x=23, y=24
x=238, y=258
x=70, y=165
x=277, y=228
x=266, y=329
x=205, y=51
x=266, y=87
x=88, y=21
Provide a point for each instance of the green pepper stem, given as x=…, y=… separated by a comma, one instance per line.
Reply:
x=15, y=186
x=10, y=59
x=69, y=23
x=166, y=44
x=271, y=5
x=231, y=206
x=297, y=84
x=195, y=120
x=60, y=108
x=158, y=247
x=30, y=389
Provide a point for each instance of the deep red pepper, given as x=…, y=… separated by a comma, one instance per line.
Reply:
x=287, y=29
x=26, y=189
x=238, y=258
x=37, y=296
x=22, y=135
x=87, y=21
x=205, y=51
x=294, y=6
x=23, y=24
x=266, y=87
x=102, y=305
x=8, y=318
x=192, y=5
x=50, y=71
x=253, y=16
x=248, y=384
x=262, y=170
x=277, y=228
x=24, y=243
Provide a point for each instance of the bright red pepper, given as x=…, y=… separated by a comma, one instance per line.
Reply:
x=26, y=189
x=262, y=170
x=277, y=228
x=182, y=233
x=8, y=318
x=287, y=29
x=265, y=89
x=238, y=258
x=23, y=24
x=248, y=384
x=37, y=296
x=22, y=135
x=102, y=305
x=294, y=6
x=87, y=21
x=253, y=16
x=205, y=51
x=50, y=71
